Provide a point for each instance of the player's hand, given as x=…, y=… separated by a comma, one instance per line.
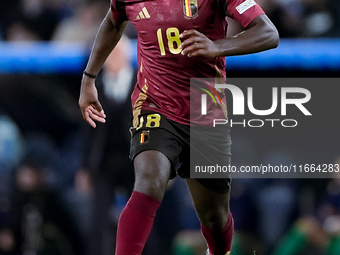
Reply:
x=195, y=44
x=88, y=102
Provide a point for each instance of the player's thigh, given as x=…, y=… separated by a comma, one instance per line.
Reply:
x=212, y=207
x=152, y=173
x=159, y=141
x=152, y=166
x=155, y=153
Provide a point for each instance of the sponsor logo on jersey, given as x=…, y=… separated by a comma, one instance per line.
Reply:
x=245, y=6
x=190, y=8
x=143, y=14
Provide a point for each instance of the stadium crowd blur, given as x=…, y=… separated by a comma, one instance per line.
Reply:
x=63, y=184
x=78, y=20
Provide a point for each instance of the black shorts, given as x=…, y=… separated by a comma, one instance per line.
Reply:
x=156, y=132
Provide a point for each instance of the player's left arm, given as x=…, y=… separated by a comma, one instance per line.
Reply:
x=259, y=35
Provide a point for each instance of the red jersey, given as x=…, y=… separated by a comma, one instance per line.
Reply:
x=164, y=74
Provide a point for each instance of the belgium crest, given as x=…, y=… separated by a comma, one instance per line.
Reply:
x=190, y=8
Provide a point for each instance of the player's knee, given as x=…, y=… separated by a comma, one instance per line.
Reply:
x=214, y=218
x=151, y=183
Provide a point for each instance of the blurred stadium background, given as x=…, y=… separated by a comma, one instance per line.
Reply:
x=62, y=193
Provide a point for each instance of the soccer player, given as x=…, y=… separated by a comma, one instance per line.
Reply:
x=177, y=40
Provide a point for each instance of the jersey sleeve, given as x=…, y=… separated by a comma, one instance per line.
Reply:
x=118, y=11
x=243, y=11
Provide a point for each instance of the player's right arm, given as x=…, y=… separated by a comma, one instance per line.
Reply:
x=108, y=35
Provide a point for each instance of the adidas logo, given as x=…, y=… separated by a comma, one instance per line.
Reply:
x=144, y=14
